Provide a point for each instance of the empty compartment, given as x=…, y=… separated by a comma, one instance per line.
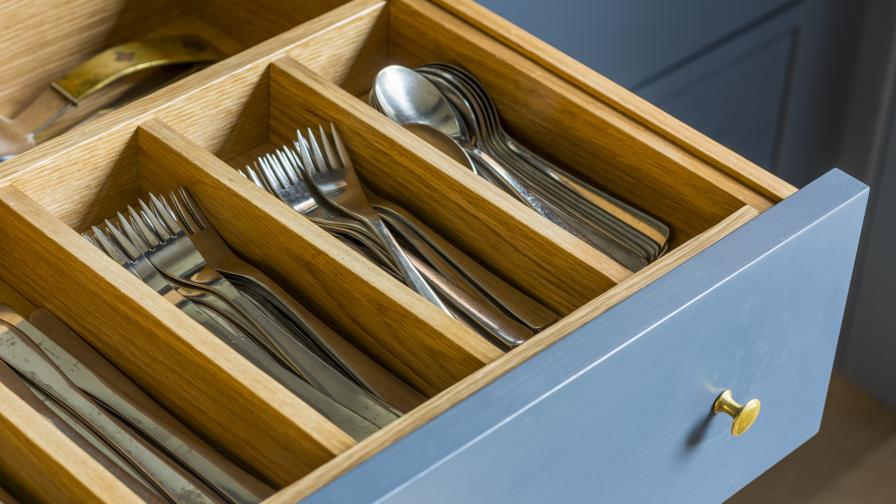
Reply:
x=540, y=109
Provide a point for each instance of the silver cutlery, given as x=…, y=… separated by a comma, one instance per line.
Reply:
x=582, y=201
x=284, y=174
x=335, y=179
x=96, y=448
x=450, y=101
x=154, y=234
x=222, y=259
x=407, y=97
x=175, y=484
x=102, y=381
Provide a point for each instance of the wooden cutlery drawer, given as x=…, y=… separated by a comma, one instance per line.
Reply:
x=611, y=403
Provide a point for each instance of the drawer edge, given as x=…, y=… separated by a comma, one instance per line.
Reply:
x=410, y=459
x=613, y=94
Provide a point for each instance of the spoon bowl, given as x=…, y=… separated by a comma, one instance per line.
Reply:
x=407, y=97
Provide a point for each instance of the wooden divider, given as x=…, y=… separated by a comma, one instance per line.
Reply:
x=385, y=318
x=10, y=297
x=38, y=461
x=648, y=115
x=437, y=405
x=193, y=374
x=527, y=250
x=545, y=111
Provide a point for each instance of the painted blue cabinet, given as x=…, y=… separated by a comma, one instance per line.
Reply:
x=620, y=410
x=769, y=79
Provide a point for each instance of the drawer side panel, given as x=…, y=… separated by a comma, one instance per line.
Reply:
x=618, y=411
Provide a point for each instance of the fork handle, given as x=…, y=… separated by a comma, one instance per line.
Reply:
x=295, y=355
x=529, y=311
x=413, y=277
x=483, y=313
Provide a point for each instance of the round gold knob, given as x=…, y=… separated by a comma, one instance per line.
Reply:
x=744, y=415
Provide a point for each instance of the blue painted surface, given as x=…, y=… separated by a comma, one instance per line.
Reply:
x=737, y=92
x=618, y=411
x=633, y=41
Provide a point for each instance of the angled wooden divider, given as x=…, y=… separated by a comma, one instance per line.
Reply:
x=615, y=95
x=187, y=134
x=514, y=241
x=389, y=321
x=196, y=376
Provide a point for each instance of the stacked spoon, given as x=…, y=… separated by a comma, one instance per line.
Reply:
x=449, y=107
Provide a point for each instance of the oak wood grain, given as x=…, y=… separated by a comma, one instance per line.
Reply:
x=12, y=298
x=181, y=134
x=400, y=329
x=530, y=252
x=628, y=103
x=39, y=462
x=122, y=121
x=601, y=144
x=195, y=375
x=6, y=498
x=43, y=40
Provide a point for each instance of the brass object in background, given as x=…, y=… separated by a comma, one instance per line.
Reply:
x=95, y=85
x=744, y=415
x=125, y=59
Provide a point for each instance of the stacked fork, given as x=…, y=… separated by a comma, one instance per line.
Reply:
x=174, y=249
x=315, y=176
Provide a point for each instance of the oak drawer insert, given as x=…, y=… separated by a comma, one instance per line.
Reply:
x=611, y=403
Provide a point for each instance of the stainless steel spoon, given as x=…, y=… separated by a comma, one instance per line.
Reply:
x=407, y=97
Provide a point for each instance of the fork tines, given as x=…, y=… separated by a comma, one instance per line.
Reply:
x=136, y=231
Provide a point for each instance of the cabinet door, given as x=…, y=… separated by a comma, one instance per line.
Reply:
x=768, y=79
x=631, y=41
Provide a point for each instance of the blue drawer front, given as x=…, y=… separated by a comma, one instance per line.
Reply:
x=618, y=411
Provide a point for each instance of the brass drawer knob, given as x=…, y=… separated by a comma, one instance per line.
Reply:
x=744, y=415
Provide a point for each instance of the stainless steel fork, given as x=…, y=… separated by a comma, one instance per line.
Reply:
x=172, y=253
x=320, y=373
x=282, y=175
x=245, y=343
x=339, y=185
x=123, y=251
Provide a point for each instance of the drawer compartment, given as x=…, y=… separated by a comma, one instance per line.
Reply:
x=601, y=145
x=611, y=403
x=42, y=41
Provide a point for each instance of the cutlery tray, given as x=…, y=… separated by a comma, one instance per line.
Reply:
x=313, y=62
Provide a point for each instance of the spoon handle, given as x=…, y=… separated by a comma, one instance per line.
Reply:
x=643, y=222
x=481, y=311
x=621, y=254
